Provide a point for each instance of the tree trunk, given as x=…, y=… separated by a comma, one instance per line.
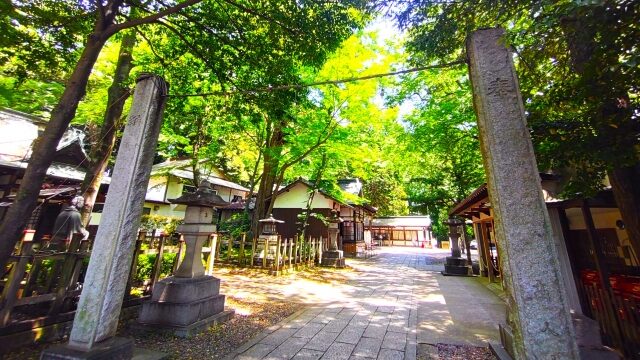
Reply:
x=45, y=148
x=103, y=146
x=316, y=185
x=264, y=197
x=626, y=190
x=624, y=180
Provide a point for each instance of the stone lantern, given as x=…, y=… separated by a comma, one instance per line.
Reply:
x=455, y=264
x=189, y=301
x=333, y=257
x=268, y=239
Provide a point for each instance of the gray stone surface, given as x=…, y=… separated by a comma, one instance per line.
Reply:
x=395, y=309
x=286, y=349
x=101, y=299
x=367, y=347
x=338, y=351
x=390, y=354
x=351, y=334
x=180, y=314
x=538, y=307
x=307, y=354
x=181, y=290
x=322, y=340
x=115, y=348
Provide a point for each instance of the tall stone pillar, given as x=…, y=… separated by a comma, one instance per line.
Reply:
x=538, y=313
x=96, y=319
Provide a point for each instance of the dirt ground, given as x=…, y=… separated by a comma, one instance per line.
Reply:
x=259, y=300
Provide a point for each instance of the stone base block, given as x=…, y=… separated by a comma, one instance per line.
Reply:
x=499, y=352
x=454, y=270
x=456, y=261
x=333, y=258
x=188, y=330
x=180, y=314
x=506, y=339
x=182, y=290
x=115, y=348
x=457, y=266
x=182, y=302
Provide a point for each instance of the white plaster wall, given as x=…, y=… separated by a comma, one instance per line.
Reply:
x=297, y=197
x=157, y=188
x=16, y=138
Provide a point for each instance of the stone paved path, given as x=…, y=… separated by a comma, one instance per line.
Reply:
x=392, y=303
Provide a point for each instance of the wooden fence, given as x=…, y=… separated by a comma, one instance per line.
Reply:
x=618, y=317
x=271, y=253
x=43, y=284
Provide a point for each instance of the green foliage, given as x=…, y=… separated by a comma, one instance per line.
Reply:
x=145, y=266
x=442, y=142
x=236, y=225
x=577, y=62
x=168, y=224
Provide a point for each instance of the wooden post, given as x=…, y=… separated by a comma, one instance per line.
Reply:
x=176, y=263
x=66, y=277
x=276, y=265
x=320, y=248
x=216, y=247
x=253, y=251
x=157, y=265
x=285, y=258
x=212, y=254
x=134, y=263
x=10, y=291
x=241, y=250
x=290, y=257
x=266, y=252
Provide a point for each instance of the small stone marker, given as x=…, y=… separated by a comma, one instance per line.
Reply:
x=189, y=301
x=455, y=265
x=96, y=318
x=538, y=312
x=333, y=257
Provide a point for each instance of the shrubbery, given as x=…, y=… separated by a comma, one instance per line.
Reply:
x=167, y=224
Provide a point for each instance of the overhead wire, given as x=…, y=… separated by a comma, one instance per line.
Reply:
x=323, y=82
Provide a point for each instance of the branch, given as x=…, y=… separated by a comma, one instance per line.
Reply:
x=100, y=9
x=325, y=82
x=260, y=15
x=151, y=18
x=151, y=46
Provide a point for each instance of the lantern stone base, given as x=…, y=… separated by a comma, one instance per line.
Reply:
x=184, y=306
x=112, y=348
x=333, y=258
x=457, y=266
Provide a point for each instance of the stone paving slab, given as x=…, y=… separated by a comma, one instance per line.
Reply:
x=394, y=306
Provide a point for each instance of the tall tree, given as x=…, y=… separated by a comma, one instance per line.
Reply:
x=577, y=63
x=443, y=140
x=300, y=27
x=102, y=147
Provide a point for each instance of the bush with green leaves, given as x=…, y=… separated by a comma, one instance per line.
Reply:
x=167, y=224
x=236, y=225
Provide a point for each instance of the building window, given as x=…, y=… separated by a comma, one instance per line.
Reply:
x=188, y=189
x=146, y=211
x=236, y=198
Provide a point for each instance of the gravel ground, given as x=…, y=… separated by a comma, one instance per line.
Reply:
x=259, y=300
x=453, y=352
x=460, y=352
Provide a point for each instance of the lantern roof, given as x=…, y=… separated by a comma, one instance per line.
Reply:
x=271, y=220
x=204, y=196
